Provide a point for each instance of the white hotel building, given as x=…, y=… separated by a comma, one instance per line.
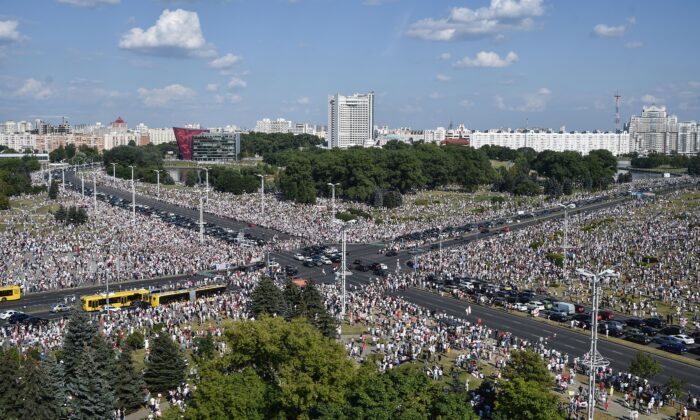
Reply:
x=351, y=120
x=161, y=135
x=584, y=142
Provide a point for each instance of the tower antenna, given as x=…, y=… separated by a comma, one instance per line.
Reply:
x=617, y=97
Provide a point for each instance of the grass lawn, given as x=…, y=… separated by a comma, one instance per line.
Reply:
x=356, y=329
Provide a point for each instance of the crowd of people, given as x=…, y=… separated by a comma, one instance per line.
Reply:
x=44, y=254
x=652, y=243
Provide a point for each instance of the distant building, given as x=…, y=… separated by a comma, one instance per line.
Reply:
x=18, y=141
x=119, y=125
x=688, y=137
x=351, y=120
x=654, y=130
x=161, y=135
x=215, y=146
x=184, y=136
x=268, y=126
x=539, y=140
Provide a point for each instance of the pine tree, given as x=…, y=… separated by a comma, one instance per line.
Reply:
x=79, y=334
x=267, y=299
x=316, y=313
x=129, y=383
x=56, y=385
x=9, y=384
x=53, y=190
x=37, y=401
x=93, y=397
x=60, y=214
x=105, y=361
x=165, y=367
x=294, y=301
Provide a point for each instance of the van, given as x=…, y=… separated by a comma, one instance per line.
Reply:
x=564, y=307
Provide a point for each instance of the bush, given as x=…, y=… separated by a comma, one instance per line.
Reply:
x=536, y=244
x=4, y=202
x=135, y=340
x=421, y=202
x=555, y=258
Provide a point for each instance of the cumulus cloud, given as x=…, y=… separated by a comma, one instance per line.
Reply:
x=162, y=97
x=488, y=59
x=444, y=56
x=8, y=31
x=176, y=33
x=500, y=16
x=531, y=102
x=212, y=87
x=236, y=82
x=35, y=89
x=650, y=99
x=224, y=62
x=609, y=31
x=89, y=3
x=443, y=78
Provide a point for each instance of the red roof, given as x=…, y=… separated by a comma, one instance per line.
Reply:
x=459, y=142
x=119, y=120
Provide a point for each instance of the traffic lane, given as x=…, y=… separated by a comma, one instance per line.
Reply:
x=193, y=214
x=561, y=339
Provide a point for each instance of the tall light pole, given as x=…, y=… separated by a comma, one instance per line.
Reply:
x=201, y=218
x=82, y=183
x=207, y=183
x=157, y=171
x=63, y=178
x=262, y=193
x=343, y=263
x=565, y=246
x=114, y=173
x=593, y=359
x=133, y=196
x=330, y=184
x=94, y=190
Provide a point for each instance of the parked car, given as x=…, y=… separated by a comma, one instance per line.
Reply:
x=558, y=316
x=678, y=348
x=655, y=322
x=666, y=339
x=391, y=253
x=638, y=338
x=8, y=313
x=671, y=330
x=60, y=307
x=520, y=307
x=535, y=304
x=606, y=315
x=635, y=322
x=685, y=338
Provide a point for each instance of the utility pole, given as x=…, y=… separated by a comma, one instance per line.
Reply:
x=565, y=246
x=207, y=184
x=82, y=183
x=133, y=196
x=63, y=178
x=114, y=173
x=157, y=171
x=94, y=190
x=333, y=196
x=593, y=359
x=343, y=264
x=262, y=193
x=201, y=218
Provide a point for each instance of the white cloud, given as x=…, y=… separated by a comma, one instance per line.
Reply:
x=224, y=62
x=608, y=31
x=531, y=102
x=162, y=97
x=650, y=99
x=212, y=87
x=488, y=59
x=176, y=33
x=228, y=97
x=694, y=84
x=236, y=82
x=466, y=103
x=89, y=3
x=435, y=95
x=444, y=56
x=8, y=31
x=443, y=78
x=634, y=44
x=491, y=21
x=32, y=88
x=303, y=100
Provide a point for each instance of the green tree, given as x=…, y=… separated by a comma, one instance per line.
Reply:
x=529, y=366
x=205, y=347
x=645, y=366
x=38, y=402
x=135, y=340
x=267, y=298
x=694, y=165
x=53, y=190
x=4, y=202
x=520, y=399
x=165, y=366
x=294, y=302
x=675, y=387
x=56, y=385
x=305, y=369
x=129, y=385
x=239, y=395
x=78, y=335
x=93, y=397
x=9, y=383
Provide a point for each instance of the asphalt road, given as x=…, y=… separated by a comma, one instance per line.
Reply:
x=561, y=339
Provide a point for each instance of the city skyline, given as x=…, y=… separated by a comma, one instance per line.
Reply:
x=486, y=64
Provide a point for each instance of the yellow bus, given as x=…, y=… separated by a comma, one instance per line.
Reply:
x=116, y=299
x=9, y=293
x=163, y=298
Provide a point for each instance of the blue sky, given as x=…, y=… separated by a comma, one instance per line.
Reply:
x=496, y=63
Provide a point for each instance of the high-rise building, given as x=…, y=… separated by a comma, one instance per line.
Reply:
x=654, y=130
x=540, y=140
x=266, y=125
x=351, y=120
x=161, y=135
x=688, y=137
x=215, y=146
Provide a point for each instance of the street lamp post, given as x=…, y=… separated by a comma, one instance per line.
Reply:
x=332, y=185
x=207, y=183
x=82, y=183
x=593, y=359
x=343, y=263
x=114, y=173
x=262, y=193
x=94, y=190
x=201, y=219
x=133, y=196
x=565, y=246
x=157, y=171
x=63, y=178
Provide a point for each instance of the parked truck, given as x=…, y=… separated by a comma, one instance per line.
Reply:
x=564, y=307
